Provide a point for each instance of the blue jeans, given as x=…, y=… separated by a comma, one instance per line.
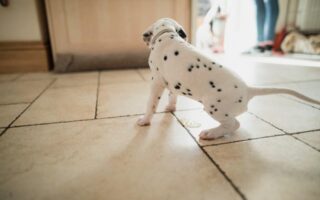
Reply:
x=267, y=15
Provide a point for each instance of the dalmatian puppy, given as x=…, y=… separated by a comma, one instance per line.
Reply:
x=183, y=70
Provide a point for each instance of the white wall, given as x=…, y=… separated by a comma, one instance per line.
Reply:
x=20, y=21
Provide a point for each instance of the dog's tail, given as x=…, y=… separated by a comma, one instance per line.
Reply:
x=255, y=91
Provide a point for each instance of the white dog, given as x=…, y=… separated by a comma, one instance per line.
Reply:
x=182, y=69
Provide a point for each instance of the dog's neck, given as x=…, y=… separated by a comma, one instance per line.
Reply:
x=154, y=38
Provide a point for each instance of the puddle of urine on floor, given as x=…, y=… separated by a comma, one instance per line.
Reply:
x=189, y=123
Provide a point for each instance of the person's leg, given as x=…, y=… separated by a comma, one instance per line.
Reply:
x=260, y=19
x=272, y=12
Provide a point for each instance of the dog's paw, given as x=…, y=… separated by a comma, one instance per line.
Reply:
x=205, y=135
x=170, y=108
x=142, y=121
x=210, y=134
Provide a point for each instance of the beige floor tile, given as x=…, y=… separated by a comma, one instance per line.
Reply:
x=251, y=127
x=286, y=114
x=131, y=98
x=310, y=89
x=146, y=73
x=9, y=112
x=119, y=76
x=8, y=77
x=37, y=76
x=312, y=138
x=260, y=74
x=65, y=80
x=76, y=79
x=21, y=91
x=61, y=104
x=271, y=168
x=107, y=159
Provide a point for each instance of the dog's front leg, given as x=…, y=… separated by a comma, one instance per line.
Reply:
x=157, y=88
x=171, y=107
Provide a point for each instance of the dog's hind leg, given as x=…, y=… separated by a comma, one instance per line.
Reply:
x=172, y=102
x=226, y=127
x=157, y=88
x=228, y=124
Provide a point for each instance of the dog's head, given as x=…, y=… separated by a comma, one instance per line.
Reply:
x=164, y=24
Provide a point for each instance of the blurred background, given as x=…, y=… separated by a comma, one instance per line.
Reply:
x=79, y=35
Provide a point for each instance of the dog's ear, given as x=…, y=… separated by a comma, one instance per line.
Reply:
x=182, y=33
x=211, y=25
x=147, y=36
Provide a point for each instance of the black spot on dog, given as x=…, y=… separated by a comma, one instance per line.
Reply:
x=211, y=112
x=204, y=65
x=189, y=94
x=179, y=83
x=215, y=110
x=219, y=90
x=212, y=84
x=184, y=93
x=198, y=66
x=213, y=63
x=209, y=68
x=190, y=68
x=176, y=53
x=219, y=100
x=235, y=86
x=188, y=90
x=240, y=101
x=226, y=115
x=165, y=58
x=159, y=97
x=212, y=106
x=198, y=59
x=157, y=69
x=177, y=87
x=152, y=48
x=159, y=40
x=152, y=78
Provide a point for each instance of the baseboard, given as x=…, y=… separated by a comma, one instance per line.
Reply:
x=16, y=57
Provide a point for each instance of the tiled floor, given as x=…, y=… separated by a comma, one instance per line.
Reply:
x=73, y=136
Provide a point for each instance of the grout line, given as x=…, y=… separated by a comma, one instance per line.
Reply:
x=89, y=119
x=45, y=89
x=236, y=188
x=309, y=145
x=79, y=120
x=244, y=140
x=301, y=101
x=140, y=74
x=17, y=103
x=286, y=82
x=286, y=133
x=308, y=131
x=18, y=77
x=97, y=97
x=267, y=122
x=257, y=138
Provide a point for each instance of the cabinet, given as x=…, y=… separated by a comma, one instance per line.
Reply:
x=100, y=34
